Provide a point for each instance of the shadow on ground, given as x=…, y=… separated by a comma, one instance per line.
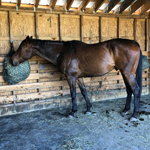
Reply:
x=105, y=129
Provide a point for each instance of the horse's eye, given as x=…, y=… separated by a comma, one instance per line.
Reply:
x=28, y=51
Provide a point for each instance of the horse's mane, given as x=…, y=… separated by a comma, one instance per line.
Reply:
x=70, y=46
x=43, y=43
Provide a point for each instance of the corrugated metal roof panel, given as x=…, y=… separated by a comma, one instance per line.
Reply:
x=116, y=7
x=90, y=4
x=104, y=5
x=27, y=1
x=9, y=1
x=61, y=2
x=76, y=4
x=44, y=2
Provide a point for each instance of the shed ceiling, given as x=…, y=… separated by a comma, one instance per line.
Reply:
x=137, y=7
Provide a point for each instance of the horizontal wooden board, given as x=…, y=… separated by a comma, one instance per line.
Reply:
x=4, y=38
x=56, y=83
x=44, y=95
x=53, y=38
x=31, y=76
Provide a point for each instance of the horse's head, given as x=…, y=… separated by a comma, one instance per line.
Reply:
x=24, y=52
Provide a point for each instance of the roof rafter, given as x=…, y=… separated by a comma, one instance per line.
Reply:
x=52, y=3
x=68, y=4
x=98, y=4
x=124, y=5
x=18, y=3
x=36, y=3
x=111, y=5
x=137, y=5
x=84, y=4
x=144, y=8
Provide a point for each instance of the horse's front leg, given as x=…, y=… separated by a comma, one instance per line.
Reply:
x=72, y=84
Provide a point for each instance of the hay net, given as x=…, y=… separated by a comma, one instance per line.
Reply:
x=15, y=74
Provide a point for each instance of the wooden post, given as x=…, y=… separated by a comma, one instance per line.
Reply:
x=134, y=29
x=35, y=30
x=118, y=36
x=10, y=38
x=100, y=29
x=149, y=32
x=37, y=36
x=147, y=47
x=81, y=28
x=36, y=25
x=60, y=27
x=118, y=21
x=10, y=25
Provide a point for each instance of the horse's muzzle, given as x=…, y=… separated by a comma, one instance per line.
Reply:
x=16, y=63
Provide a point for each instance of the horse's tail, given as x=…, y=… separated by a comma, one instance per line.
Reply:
x=139, y=72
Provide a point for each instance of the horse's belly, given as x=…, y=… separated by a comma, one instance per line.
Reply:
x=96, y=70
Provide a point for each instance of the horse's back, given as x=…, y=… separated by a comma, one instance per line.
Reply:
x=88, y=59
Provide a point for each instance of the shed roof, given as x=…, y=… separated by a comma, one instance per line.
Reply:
x=135, y=7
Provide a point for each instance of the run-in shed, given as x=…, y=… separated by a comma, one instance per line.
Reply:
x=90, y=21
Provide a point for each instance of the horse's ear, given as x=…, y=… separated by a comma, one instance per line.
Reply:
x=31, y=37
x=27, y=37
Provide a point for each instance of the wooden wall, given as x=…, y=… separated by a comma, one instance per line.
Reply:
x=45, y=80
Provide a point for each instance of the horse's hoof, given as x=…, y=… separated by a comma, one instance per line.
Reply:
x=132, y=119
x=124, y=113
x=70, y=117
x=88, y=113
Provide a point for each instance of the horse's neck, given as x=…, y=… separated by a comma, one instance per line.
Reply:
x=50, y=52
x=37, y=52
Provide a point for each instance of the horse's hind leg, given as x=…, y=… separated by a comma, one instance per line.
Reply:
x=129, y=96
x=136, y=92
x=84, y=93
x=72, y=85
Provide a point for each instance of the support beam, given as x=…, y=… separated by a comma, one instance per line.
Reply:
x=60, y=26
x=100, y=29
x=118, y=27
x=36, y=25
x=111, y=5
x=145, y=7
x=137, y=5
x=0, y=2
x=147, y=46
x=81, y=28
x=52, y=4
x=98, y=4
x=18, y=3
x=124, y=5
x=68, y=4
x=36, y=3
x=84, y=4
x=10, y=25
x=134, y=29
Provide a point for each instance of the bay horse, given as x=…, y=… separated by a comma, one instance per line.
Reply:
x=76, y=59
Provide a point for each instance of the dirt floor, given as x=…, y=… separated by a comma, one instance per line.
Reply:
x=105, y=129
